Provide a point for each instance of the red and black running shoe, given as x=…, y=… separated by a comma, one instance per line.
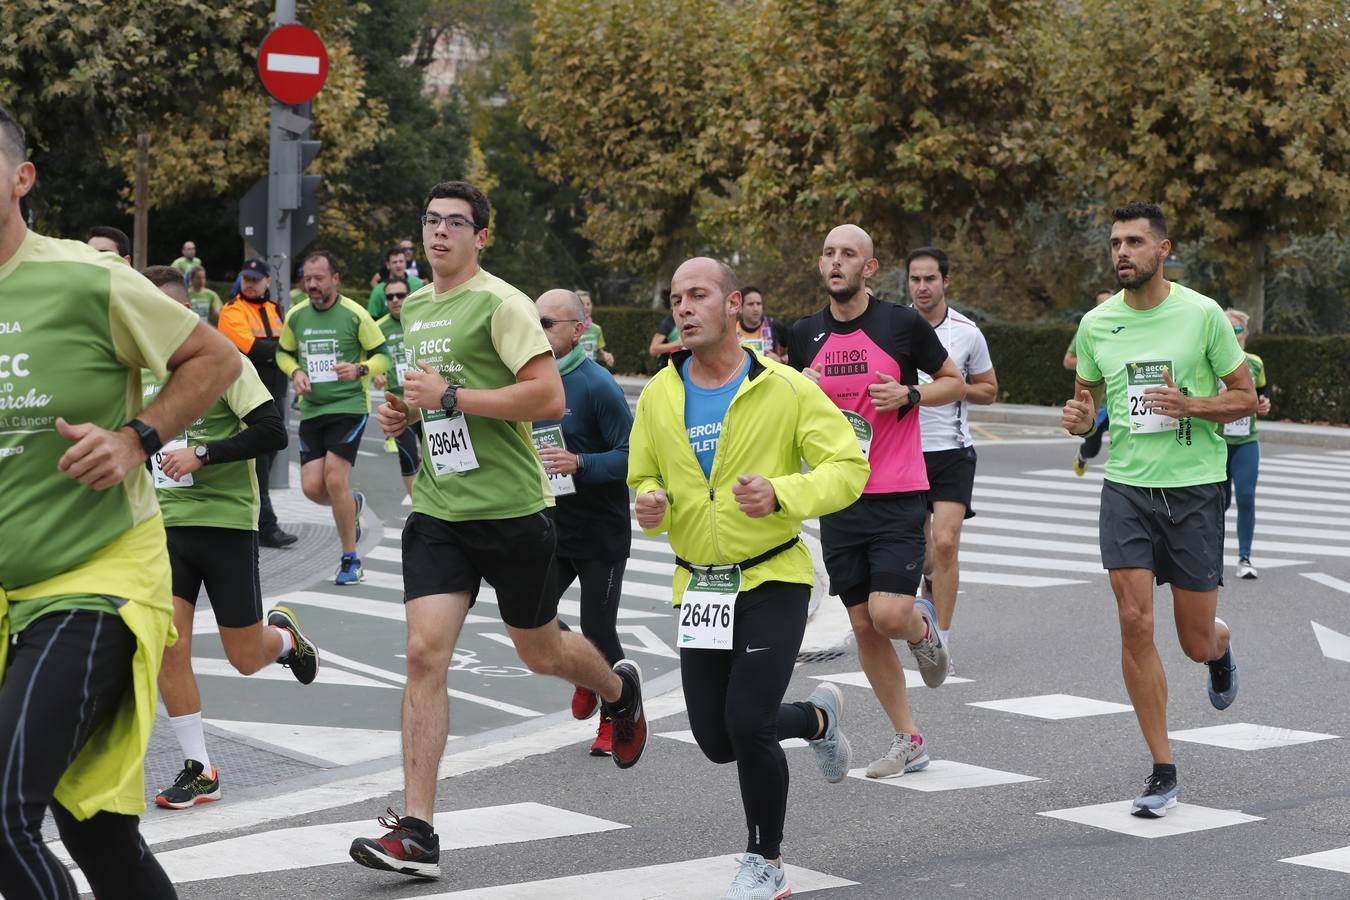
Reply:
x=407, y=849
x=584, y=703
x=630, y=726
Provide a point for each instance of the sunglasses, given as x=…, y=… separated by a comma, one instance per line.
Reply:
x=396, y=295
x=549, y=323
x=1238, y=329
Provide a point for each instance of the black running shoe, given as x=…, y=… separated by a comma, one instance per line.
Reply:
x=193, y=786
x=406, y=849
x=303, y=660
x=1160, y=795
x=630, y=728
x=360, y=499
x=275, y=538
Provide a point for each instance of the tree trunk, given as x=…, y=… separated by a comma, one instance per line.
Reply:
x=1254, y=291
x=141, y=224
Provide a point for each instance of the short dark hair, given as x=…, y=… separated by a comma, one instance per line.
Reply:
x=396, y=251
x=1139, y=210
x=393, y=281
x=116, y=235
x=13, y=145
x=933, y=253
x=751, y=289
x=462, y=190
x=332, y=260
x=162, y=275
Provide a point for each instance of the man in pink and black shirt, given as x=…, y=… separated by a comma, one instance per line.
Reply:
x=866, y=354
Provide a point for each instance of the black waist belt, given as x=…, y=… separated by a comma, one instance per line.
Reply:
x=747, y=563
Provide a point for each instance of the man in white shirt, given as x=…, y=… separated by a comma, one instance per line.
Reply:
x=947, y=448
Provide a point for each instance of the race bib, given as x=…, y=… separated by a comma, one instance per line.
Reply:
x=708, y=609
x=1238, y=427
x=862, y=430
x=321, y=359
x=448, y=444
x=163, y=481
x=552, y=436
x=757, y=344
x=1139, y=377
x=401, y=364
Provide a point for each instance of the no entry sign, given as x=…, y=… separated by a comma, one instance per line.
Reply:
x=292, y=64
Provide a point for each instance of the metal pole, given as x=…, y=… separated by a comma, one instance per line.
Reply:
x=279, y=230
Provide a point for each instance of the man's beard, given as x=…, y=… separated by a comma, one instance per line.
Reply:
x=1140, y=278
x=748, y=327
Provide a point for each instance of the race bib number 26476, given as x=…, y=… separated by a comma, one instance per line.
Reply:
x=708, y=609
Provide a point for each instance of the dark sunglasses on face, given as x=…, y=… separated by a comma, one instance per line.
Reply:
x=396, y=295
x=549, y=323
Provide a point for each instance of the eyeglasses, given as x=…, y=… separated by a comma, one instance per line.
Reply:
x=454, y=223
x=396, y=295
x=549, y=323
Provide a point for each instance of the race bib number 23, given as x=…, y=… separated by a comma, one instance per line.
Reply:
x=1139, y=377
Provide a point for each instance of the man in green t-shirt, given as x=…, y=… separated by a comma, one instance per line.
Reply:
x=208, y=491
x=409, y=443
x=396, y=263
x=188, y=260
x=1158, y=351
x=205, y=302
x=329, y=346
x=483, y=372
x=85, y=612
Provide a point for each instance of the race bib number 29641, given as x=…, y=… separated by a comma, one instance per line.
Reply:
x=448, y=444
x=708, y=609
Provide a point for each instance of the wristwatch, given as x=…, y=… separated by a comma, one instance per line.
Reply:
x=148, y=436
x=363, y=370
x=203, y=455
x=914, y=395
x=450, y=398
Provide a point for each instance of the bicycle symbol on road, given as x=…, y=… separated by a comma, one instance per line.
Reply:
x=466, y=660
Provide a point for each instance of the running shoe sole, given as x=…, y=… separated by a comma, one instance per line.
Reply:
x=360, y=499
x=283, y=617
x=640, y=722
x=165, y=803
x=829, y=698
x=1153, y=812
x=932, y=660
x=364, y=852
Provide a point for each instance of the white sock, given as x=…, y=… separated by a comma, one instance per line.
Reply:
x=191, y=738
x=287, y=640
x=946, y=636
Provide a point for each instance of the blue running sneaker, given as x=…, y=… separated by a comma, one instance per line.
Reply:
x=758, y=880
x=360, y=505
x=930, y=653
x=349, y=570
x=1160, y=794
x=833, y=753
x=1223, y=680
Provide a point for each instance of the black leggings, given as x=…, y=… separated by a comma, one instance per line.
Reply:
x=67, y=673
x=734, y=699
x=601, y=587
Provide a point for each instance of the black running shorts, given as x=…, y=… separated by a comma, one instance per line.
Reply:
x=951, y=476
x=409, y=443
x=875, y=545
x=514, y=556
x=1176, y=533
x=225, y=560
x=336, y=433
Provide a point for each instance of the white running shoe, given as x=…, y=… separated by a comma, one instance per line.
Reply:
x=758, y=880
x=908, y=753
x=1246, y=570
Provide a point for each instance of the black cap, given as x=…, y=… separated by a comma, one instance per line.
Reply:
x=255, y=268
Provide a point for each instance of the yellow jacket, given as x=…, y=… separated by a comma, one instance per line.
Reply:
x=777, y=419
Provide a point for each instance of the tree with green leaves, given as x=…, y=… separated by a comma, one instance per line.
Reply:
x=1234, y=116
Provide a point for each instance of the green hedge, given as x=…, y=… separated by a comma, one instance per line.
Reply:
x=1307, y=373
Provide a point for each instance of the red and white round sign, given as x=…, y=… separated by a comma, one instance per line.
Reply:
x=292, y=64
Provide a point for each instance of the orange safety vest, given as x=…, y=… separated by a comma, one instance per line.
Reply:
x=244, y=321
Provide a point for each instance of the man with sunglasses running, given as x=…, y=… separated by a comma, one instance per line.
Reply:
x=408, y=444
x=482, y=370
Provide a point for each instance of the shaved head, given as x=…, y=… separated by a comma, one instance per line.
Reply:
x=560, y=303
x=723, y=274
x=853, y=236
x=846, y=264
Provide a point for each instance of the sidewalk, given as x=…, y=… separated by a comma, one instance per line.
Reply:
x=1332, y=437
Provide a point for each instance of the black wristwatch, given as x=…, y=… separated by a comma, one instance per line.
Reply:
x=203, y=455
x=363, y=370
x=914, y=396
x=450, y=398
x=148, y=436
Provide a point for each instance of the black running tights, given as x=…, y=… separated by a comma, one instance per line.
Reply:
x=601, y=589
x=67, y=673
x=735, y=703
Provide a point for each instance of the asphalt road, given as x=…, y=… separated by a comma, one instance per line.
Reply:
x=1005, y=810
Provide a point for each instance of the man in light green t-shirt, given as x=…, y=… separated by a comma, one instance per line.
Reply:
x=188, y=260
x=205, y=302
x=208, y=491
x=85, y=612
x=407, y=445
x=396, y=262
x=329, y=346
x=482, y=371
x=1158, y=351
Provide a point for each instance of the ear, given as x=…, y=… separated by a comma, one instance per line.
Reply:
x=481, y=239
x=870, y=268
x=735, y=301
x=1165, y=248
x=25, y=177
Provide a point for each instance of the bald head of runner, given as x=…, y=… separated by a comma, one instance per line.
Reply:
x=847, y=263
x=705, y=298
x=563, y=319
